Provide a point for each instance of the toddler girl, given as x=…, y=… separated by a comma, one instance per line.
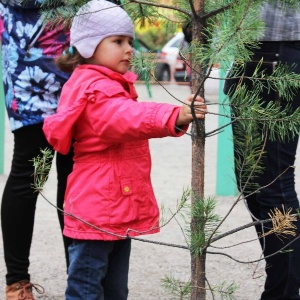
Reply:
x=109, y=196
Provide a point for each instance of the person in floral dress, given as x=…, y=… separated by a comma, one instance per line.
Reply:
x=32, y=86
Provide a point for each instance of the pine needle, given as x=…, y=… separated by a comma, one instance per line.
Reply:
x=282, y=223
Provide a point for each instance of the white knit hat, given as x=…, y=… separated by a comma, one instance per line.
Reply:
x=95, y=21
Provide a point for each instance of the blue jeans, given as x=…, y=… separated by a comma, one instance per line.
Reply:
x=98, y=270
x=282, y=270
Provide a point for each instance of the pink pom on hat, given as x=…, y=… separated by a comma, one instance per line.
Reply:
x=95, y=21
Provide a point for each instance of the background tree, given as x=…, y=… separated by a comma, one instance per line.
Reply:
x=221, y=30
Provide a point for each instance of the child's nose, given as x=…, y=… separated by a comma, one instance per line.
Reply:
x=129, y=48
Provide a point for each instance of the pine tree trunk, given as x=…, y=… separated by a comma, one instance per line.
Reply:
x=198, y=262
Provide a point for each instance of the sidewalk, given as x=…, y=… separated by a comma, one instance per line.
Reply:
x=171, y=173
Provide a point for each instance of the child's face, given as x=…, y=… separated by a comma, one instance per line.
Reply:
x=114, y=52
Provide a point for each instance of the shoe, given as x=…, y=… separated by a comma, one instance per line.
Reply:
x=22, y=290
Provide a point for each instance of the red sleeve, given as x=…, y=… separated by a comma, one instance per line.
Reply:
x=120, y=119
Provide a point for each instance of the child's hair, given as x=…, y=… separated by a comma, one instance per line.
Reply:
x=69, y=60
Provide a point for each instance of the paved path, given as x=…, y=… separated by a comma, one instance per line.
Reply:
x=149, y=263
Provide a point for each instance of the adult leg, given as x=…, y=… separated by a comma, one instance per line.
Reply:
x=19, y=203
x=64, y=165
x=283, y=269
x=279, y=163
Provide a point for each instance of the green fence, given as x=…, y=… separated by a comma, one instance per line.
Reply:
x=226, y=183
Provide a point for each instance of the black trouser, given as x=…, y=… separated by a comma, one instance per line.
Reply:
x=19, y=200
x=283, y=269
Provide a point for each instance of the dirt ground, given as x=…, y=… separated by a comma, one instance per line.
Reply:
x=150, y=263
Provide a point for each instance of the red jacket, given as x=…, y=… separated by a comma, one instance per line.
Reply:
x=110, y=186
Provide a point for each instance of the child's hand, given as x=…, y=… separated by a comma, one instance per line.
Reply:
x=185, y=114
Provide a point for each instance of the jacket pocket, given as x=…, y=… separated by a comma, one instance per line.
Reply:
x=130, y=202
x=126, y=186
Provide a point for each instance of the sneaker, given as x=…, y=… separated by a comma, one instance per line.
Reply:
x=22, y=290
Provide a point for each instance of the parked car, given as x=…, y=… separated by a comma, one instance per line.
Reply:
x=170, y=66
x=169, y=57
x=182, y=71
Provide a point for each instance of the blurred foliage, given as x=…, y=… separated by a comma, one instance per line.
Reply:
x=155, y=34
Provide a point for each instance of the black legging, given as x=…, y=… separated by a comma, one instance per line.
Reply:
x=19, y=200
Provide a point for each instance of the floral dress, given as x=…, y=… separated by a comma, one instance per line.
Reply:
x=32, y=83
